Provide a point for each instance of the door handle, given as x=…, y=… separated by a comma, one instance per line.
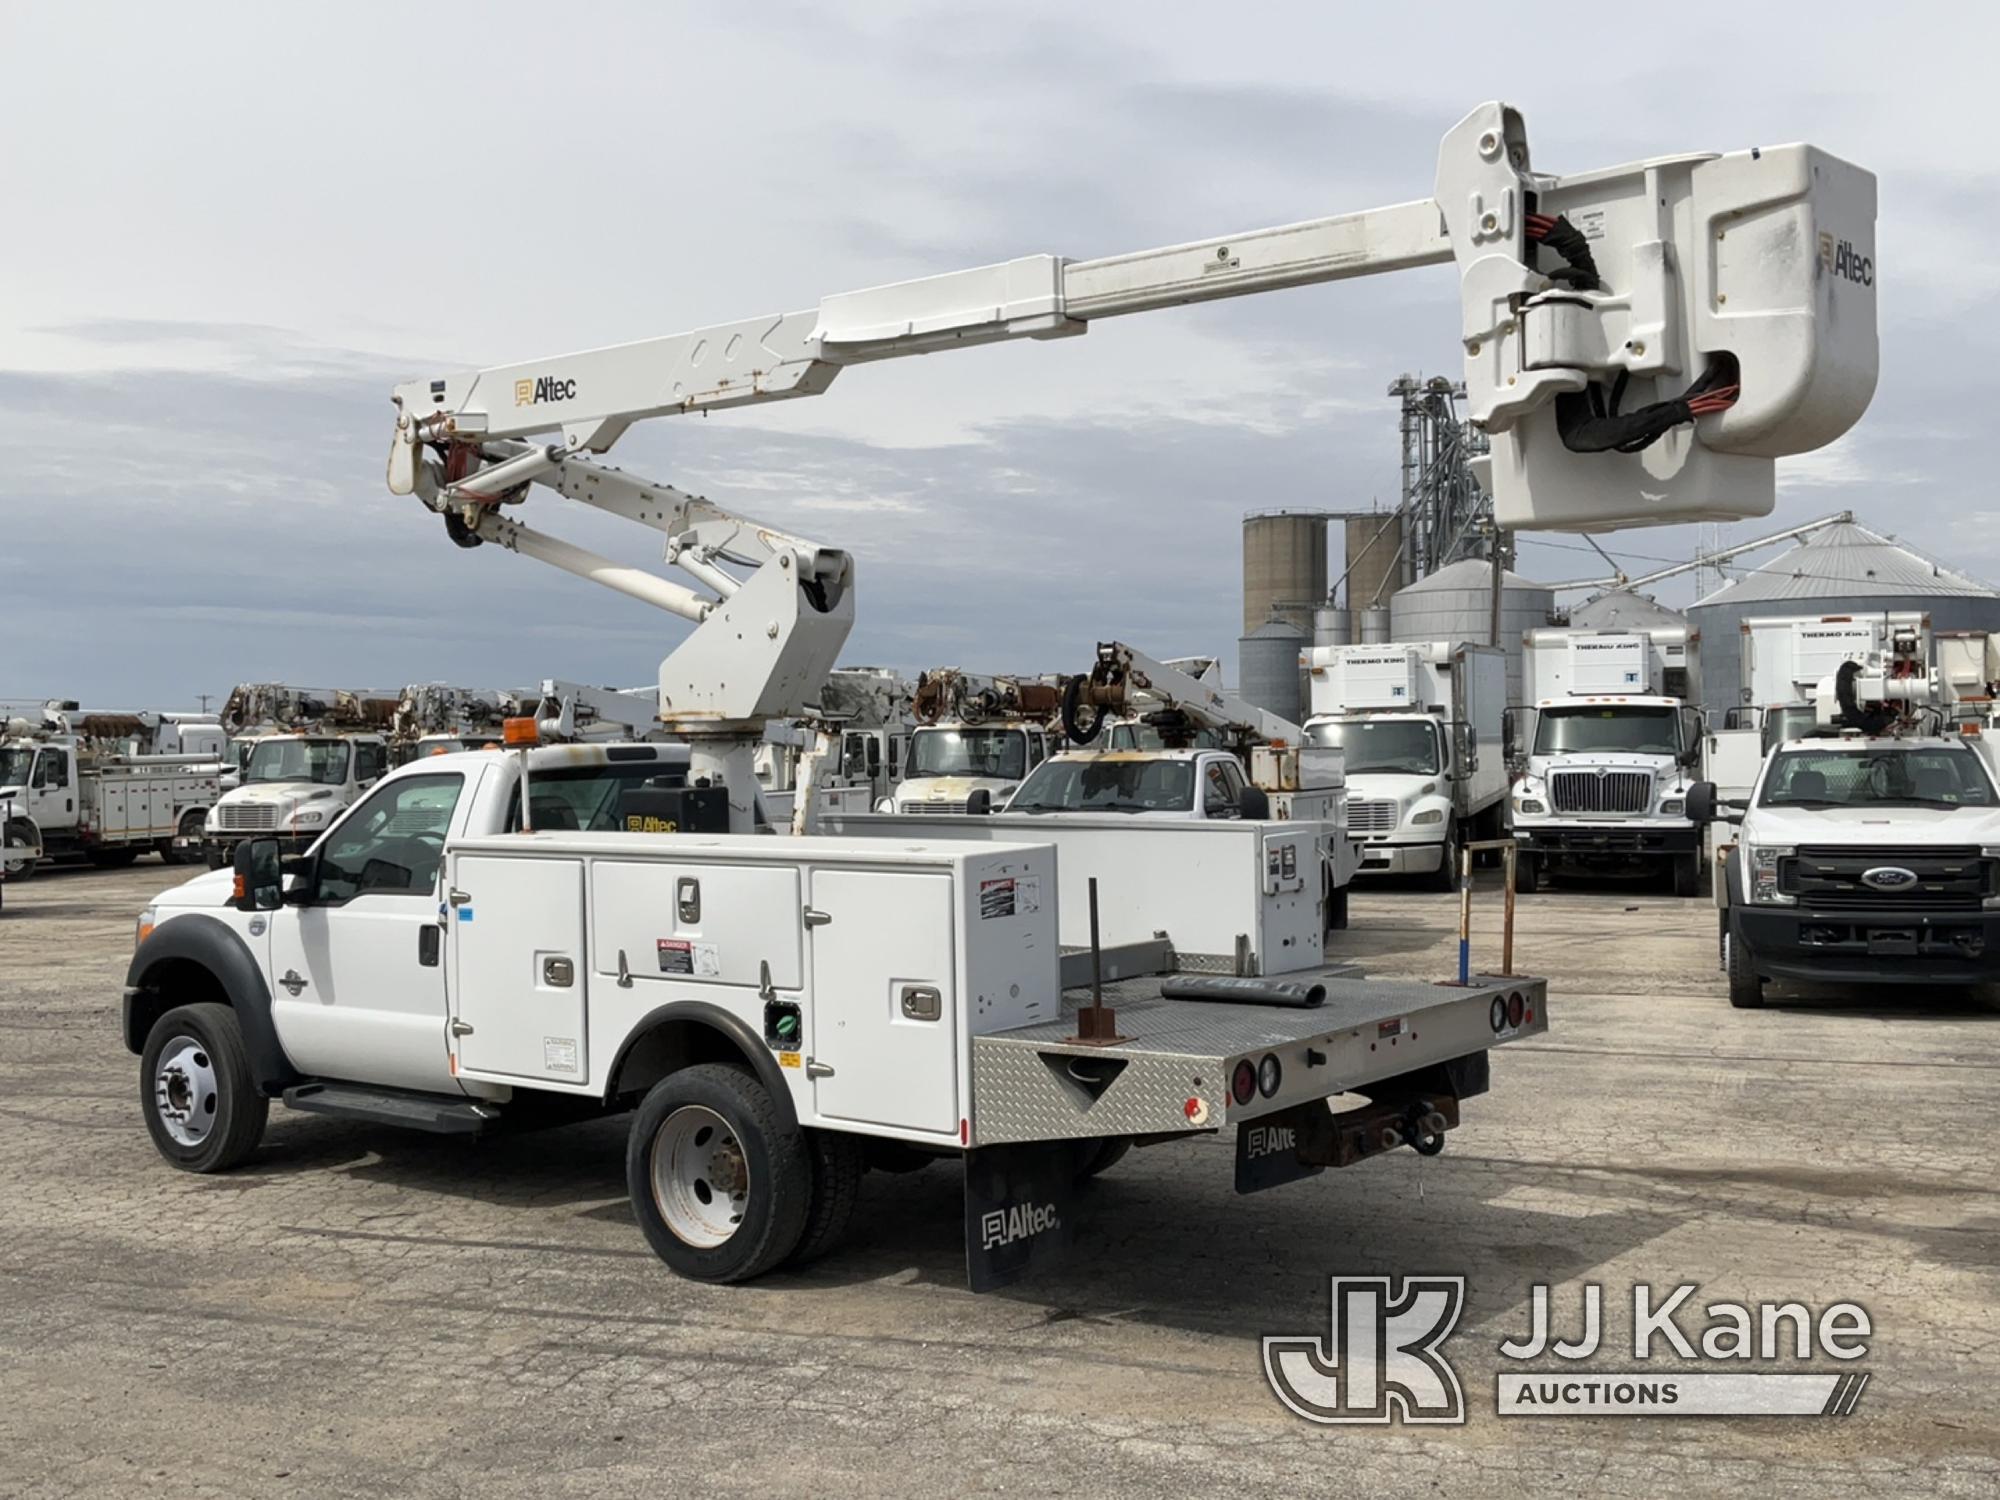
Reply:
x=818, y=1069
x=292, y=981
x=427, y=945
x=459, y=1028
x=687, y=898
x=922, y=1002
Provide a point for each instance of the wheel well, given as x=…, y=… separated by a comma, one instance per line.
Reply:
x=170, y=982
x=666, y=1047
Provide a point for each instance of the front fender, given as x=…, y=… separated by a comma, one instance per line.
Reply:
x=203, y=943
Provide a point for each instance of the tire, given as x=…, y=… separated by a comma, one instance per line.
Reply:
x=1445, y=878
x=1336, y=911
x=837, y=1167
x=215, y=857
x=1687, y=874
x=1108, y=1153
x=111, y=859
x=202, y=1106
x=1527, y=874
x=720, y=1183
x=20, y=835
x=1746, y=990
x=894, y=1157
x=191, y=825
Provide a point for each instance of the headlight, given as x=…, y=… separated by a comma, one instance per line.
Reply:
x=1763, y=868
x=1991, y=852
x=1427, y=816
x=143, y=928
x=309, y=817
x=1672, y=807
x=1534, y=807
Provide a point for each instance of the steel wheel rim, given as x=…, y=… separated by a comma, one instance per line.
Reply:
x=186, y=1093
x=700, y=1175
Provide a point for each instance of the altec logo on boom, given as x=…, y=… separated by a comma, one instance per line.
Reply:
x=1842, y=259
x=543, y=388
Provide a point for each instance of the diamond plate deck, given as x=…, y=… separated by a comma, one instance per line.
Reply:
x=1033, y=1083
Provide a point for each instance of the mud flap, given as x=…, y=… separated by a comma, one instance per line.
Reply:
x=1019, y=1210
x=1289, y=1146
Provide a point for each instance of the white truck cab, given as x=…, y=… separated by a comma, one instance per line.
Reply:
x=292, y=787
x=947, y=762
x=1152, y=784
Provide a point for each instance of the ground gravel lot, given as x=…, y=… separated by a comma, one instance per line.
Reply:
x=363, y=1312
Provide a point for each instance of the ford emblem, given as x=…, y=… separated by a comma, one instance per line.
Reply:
x=1888, y=877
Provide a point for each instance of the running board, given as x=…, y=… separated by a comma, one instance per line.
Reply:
x=437, y=1113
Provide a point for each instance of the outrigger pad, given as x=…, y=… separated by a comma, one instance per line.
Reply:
x=1019, y=1209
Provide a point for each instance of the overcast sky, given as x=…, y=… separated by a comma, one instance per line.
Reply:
x=229, y=230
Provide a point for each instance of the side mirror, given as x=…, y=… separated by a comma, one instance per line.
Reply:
x=1254, y=804
x=260, y=883
x=980, y=803
x=1701, y=803
x=1507, y=734
x=874, y=757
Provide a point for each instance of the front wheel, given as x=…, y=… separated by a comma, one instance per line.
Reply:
x=721, y=1184
x=1687, y=874
x=1445, y=878
x=19, y=838
x=202, y=1107
x=1746, y=990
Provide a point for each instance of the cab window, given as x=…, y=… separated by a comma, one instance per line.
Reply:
x=52, y=770
x=370, y=761
x=1222, y=789
x=391, y=844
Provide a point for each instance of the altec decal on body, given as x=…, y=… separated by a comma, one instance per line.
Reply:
x=543, y=388
x=1845, y=260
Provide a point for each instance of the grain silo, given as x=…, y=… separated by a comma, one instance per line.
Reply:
x=1333, y=625
x=1284, y=567
x=1373, y=558
x=1842, y=570
x=1267, y=668
x=1456, y=604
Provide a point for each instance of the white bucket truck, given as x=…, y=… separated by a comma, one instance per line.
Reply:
x=1785, y=658
x=307, y=754
x=775, y=1009
x=973, y=734
x=1422, y=728
x=1612, y=752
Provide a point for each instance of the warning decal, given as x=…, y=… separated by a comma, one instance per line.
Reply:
x=679, y=956
x=996, y=899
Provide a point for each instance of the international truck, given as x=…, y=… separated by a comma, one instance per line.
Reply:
x=1615, y=742
x=1422, y=727
x=77, y=783
x=305, y=755
x=1868, y=853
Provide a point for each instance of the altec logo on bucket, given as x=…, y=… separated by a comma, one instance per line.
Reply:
x=1382, y=1361
x=1841, y=258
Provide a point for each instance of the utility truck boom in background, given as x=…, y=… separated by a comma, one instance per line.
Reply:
x=1784, y=659
x=1612, y=750
x=1423, y=731
x=94, y=784
x=973, y=734
x=777, y=1008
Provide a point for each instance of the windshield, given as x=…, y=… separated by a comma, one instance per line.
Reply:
x=1409, y=745
x=1926, y=776
x=1629, y=731
x=321, y=761
x=1070, y=784
x=969, y=752
x=15, y=761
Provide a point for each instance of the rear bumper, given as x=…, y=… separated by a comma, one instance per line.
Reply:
x=1585, y=841
x=1869, y=947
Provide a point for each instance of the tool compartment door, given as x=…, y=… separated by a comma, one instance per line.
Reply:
x=886, y=948
x=519, y=977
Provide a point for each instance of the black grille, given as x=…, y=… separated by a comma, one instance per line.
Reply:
x=1831, y=878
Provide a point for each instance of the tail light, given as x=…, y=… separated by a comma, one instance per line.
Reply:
x=1243, y=1084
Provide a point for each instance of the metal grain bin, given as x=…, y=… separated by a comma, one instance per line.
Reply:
x=1268, y=668
x=1456, y=604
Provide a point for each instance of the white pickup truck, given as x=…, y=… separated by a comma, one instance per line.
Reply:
x=778, y=1011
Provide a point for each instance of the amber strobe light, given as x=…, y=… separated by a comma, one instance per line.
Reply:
x=519, y=732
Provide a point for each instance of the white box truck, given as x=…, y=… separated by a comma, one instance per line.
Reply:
x=1422, y=728
x=1613, y=749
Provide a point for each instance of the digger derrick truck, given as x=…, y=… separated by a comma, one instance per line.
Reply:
x=307, y=754
x=974, y=736
x=1641, y=343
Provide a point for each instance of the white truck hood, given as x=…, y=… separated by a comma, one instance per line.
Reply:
x=210, y=889
x=278, y=794
x=1900, y=826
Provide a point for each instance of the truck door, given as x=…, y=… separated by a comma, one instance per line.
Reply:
x=52, y=791
x=358, y=988
x=518, y=976
x=884, y=1007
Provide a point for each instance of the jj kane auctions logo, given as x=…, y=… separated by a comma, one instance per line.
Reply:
x=1381, y=1359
